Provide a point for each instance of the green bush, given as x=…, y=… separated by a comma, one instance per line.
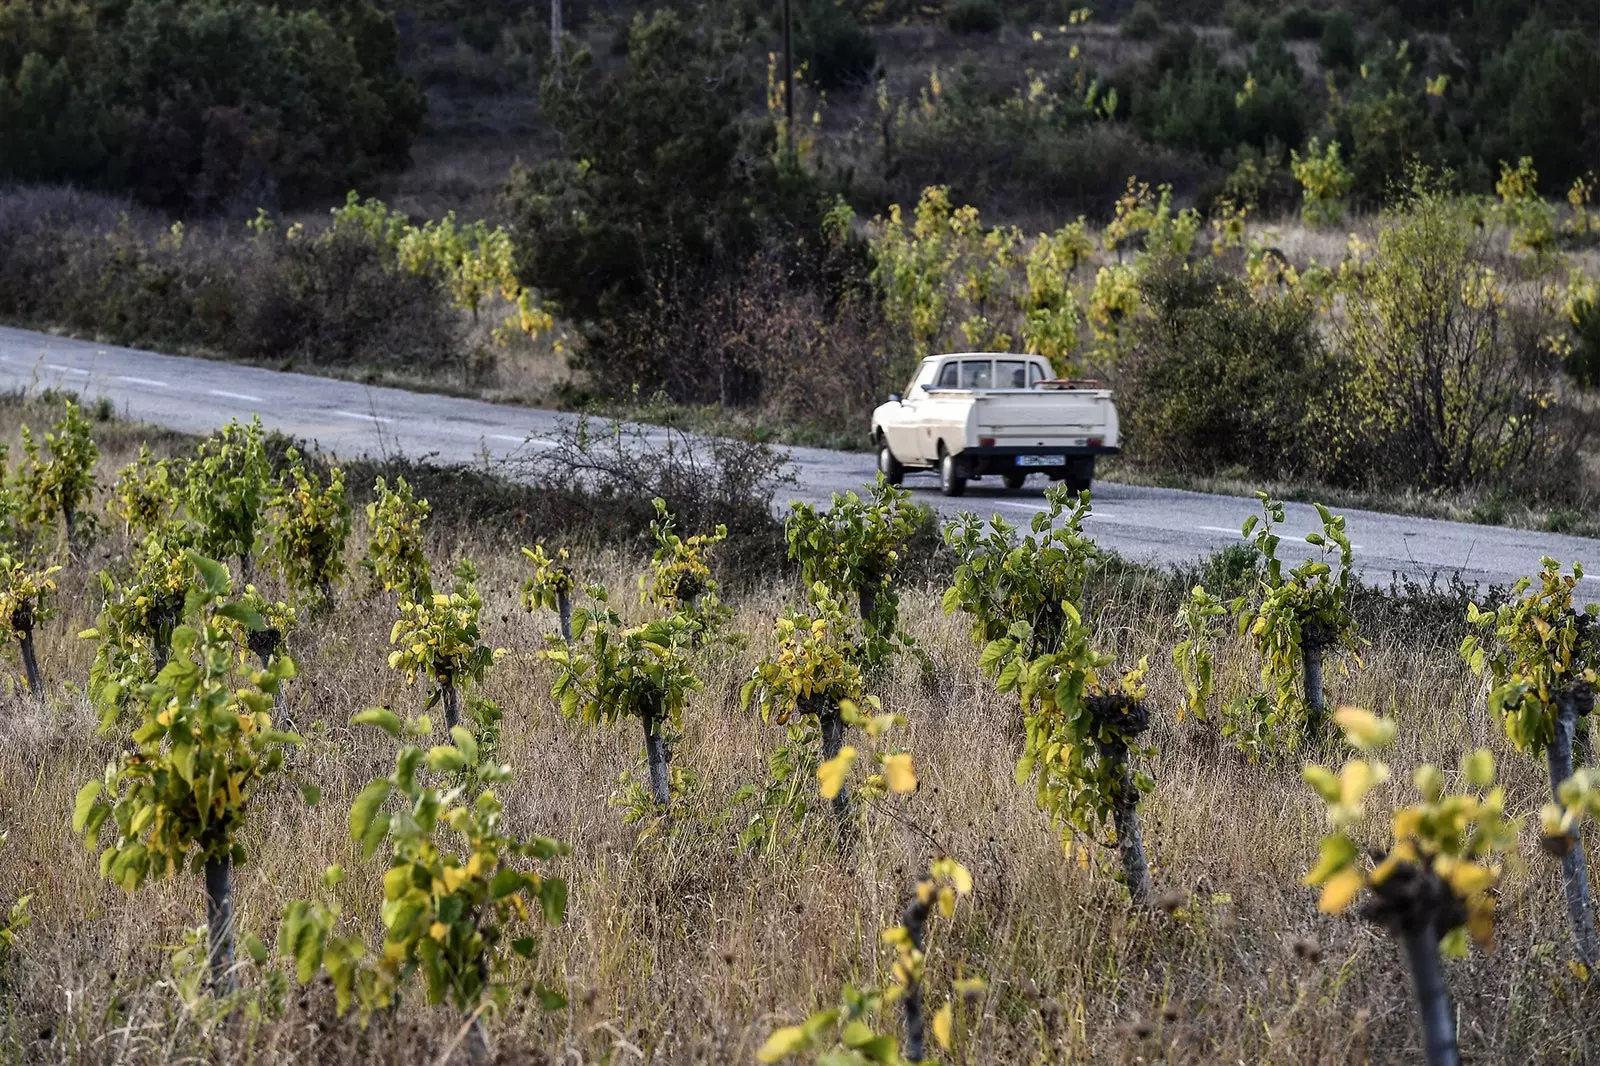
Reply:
x=1301, y=24
x=1338, y=47
x=1584, y=361
x=198, y=105
x=836, y=49
x=1143, y=23
x=336, y=299
x=972, y=17
x=1218, y=377
x=669, y=187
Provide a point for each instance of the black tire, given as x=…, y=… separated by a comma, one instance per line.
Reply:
x=1080, y=474
x=952, y=482
x=1014, y=479
x=889, y=466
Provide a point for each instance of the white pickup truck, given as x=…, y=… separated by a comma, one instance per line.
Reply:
x=975, y=413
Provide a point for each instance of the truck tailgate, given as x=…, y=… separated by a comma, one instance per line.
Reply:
x=1043, y=417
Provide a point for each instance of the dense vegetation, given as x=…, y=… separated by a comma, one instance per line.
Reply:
x=1158, y=196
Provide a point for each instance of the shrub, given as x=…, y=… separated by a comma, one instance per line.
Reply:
x=1455, y=375
x=1302, y=24
x=973, y=17
x=836, y=49
x=1584, y=361
x=1337, y=47
x=197, y=106
x=1143, y=23
x=1218, y=376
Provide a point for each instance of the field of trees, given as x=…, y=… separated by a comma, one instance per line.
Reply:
x=359, y=776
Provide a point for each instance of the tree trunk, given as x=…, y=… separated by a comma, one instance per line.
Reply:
x=69, y=523
x=477, y=1037
x=657, y=756
x=265, y=643
x=832, y=724
x=1316, y=706
x=247, y=568
x=452, y=704
x=1421, y=946
x=915, y=920
x=22, y=622
x=1574, y=868
x=563, y=601
x=1125, y=816
x=1125, y=718
x=867, y=595
x=219, y=924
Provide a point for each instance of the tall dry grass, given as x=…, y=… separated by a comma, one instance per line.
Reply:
x=682, y=947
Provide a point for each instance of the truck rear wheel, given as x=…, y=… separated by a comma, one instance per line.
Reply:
x=1080, y=474
x=952, y=482
x=889, y=466
x=1014, y=479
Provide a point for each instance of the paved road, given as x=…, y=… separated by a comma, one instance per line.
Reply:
x=347, y=419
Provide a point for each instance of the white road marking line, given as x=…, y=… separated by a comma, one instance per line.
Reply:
x=1591, y=577
x=143, y=381
x=1237, y=533
x=366, y=418
x=65, y=369
x=1219, y=529
x=532, y=442
x=246, y=397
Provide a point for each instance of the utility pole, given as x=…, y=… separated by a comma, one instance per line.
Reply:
x=555, y=37
x=788, y=77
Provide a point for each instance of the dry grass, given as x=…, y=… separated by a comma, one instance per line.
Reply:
x=684, y=948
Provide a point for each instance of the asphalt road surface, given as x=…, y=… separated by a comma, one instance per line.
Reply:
x=1164, y=526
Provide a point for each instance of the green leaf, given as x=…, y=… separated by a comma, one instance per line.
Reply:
x=446, y=759
x=553, y=900
x=505, y=882
x=551, y=999
x=381, y=717
x=84, y=804
x=366, y=806
x=310, y=793
x=213, y=573
x=246, y=617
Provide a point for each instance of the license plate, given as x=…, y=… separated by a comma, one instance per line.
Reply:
x=1041, y=460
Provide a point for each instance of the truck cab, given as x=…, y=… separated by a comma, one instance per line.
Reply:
x=974, y=414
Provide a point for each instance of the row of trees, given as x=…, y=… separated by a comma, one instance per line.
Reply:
x=191, y=672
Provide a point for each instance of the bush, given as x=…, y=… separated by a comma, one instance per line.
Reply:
x=1301, y=24
x=1337, y=49
x=1143, y=23
x=197, y=106
x=971, y=17
x=337, y=299
x=1454, y=376
x=836, y=49
x=1217, y=377
x=1584, y=361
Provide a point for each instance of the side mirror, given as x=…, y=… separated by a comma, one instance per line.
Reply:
x=894, y=397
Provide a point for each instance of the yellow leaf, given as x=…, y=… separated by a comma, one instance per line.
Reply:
x=782, y=1043
x=947, y=901
x=454, y=877
x=961, y=878
x=832, y=773
x=1364, y=729
x=438, y=930
x=897, y=770
x=942, y=1023
x=1340, y=890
